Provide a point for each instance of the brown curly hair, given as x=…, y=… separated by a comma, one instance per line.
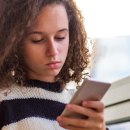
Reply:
x=16, y=18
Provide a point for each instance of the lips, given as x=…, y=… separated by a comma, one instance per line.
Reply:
x=53, y=62
x=53, y=65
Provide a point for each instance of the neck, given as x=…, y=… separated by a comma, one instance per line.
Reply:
x=50, y=79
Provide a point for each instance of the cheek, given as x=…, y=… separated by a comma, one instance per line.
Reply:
x=33, y=54
x=64, y=49
x=67, y=47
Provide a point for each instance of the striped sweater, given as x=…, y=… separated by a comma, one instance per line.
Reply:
x=34, y=107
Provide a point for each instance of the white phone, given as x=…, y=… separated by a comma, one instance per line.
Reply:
x=90, y=90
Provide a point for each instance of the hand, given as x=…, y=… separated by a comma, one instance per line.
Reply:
x=92, y=109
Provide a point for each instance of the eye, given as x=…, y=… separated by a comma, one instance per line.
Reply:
x=60, y=38
x=36, y=41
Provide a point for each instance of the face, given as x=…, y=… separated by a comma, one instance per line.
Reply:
x=46, y=45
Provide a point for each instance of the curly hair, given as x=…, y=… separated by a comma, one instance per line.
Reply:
x=16, y=18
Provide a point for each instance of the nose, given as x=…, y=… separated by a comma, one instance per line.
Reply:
x=52, y=48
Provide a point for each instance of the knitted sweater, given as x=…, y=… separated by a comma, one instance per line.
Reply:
x=34, y=107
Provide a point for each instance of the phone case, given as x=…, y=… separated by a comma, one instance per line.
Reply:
x=90, y=90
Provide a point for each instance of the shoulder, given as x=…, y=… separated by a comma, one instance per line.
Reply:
x=67, y=94
x=13, y=92
x=4, y=92
x=71, y=91
x=71, y=88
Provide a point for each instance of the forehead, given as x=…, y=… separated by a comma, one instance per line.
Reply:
x=51, y=18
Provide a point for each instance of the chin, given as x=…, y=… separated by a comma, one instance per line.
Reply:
x=54, y=72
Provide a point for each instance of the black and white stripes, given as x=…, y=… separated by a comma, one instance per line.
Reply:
x=33, y=107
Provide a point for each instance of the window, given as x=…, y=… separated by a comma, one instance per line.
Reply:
x=108, y=23
x=120, y=126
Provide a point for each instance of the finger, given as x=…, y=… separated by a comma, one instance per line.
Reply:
x=74, y=122
x=80, y=109
x=80, y=123
x=97, y=105
x=73, y=127
x=69, y=127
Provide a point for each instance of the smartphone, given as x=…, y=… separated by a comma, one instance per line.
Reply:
x=90, y=90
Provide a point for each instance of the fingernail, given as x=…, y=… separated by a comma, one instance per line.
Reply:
x=69, y=106
x=84, y=103
x=59, y=119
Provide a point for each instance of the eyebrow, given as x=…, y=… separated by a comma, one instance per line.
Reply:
x=65, y=29
x=36, y=32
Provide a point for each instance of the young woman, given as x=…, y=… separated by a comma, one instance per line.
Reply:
x=41, y=43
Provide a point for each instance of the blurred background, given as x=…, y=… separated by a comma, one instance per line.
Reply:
x=108, y=23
